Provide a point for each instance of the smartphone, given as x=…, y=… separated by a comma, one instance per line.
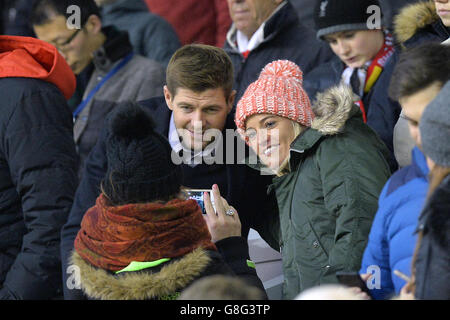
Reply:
x=353, y=279
x=197, y=195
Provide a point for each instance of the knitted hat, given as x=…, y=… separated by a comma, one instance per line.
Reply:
x=277, y=91
x=140, y=168
x=332, y=16
x=435, y=128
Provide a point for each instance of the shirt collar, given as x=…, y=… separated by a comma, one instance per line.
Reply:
x=245, y=44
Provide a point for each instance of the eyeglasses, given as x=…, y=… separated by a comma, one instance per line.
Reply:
x=412, y=122
x=63, y=46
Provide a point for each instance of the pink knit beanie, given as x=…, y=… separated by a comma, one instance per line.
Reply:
x=277, y=91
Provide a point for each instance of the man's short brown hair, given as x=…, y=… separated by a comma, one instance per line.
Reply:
x=198, y=68
x=418, y=68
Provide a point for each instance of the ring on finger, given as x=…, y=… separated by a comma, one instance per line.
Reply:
x=229, y=212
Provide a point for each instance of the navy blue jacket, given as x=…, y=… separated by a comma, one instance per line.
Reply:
x=284, y=38
x=246, y=190
x=392, y=238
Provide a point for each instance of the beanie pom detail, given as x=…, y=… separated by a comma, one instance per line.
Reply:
x=132, y=122
x=283, y=69
x=277, y=91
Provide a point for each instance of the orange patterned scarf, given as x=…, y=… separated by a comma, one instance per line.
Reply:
x=111, y=237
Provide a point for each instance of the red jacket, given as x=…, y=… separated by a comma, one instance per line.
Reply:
x=32, y=58
x=195, y=21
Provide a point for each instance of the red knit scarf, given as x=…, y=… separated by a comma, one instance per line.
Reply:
x=111, y=237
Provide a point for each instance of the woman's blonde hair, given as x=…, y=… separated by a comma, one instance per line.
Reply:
x=436, y=176
x=285, y=165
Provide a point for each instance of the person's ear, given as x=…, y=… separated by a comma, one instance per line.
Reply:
x=93, y=24
x=231, y=100
x=168, y=97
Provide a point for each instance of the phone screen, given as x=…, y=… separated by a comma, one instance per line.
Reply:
x=197, y=195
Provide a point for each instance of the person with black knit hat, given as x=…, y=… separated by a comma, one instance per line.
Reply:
x=142, y=231
x=354, y=30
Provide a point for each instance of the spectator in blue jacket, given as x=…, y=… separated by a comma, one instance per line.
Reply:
x=392, y=238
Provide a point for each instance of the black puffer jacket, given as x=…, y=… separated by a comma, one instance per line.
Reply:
x=433, y=258
x=37, y=167
x=284, y=38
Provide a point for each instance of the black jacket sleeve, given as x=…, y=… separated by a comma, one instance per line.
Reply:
x=234, y=251
x=40, y=153
x=85, y=197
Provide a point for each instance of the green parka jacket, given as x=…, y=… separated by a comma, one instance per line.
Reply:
x=328, y=200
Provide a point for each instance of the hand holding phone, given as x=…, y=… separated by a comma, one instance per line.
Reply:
x=223, y=220
x=198, y=195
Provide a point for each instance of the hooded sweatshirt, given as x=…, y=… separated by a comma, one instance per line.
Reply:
x=30, y=58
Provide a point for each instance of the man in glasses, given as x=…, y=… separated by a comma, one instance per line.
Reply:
x=102, y=58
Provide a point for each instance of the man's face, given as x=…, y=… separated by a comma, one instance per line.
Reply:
x=413, y=107
x=356, y=47
x=77, y=52
x=248, y=15
x=443, y=10
x=196, y=112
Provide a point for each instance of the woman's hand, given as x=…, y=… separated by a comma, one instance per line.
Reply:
x=224, y=222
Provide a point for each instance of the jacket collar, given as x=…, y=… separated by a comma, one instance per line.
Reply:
x=116, y=47
x=103, y=285
x=283, y=16
x=332, y=109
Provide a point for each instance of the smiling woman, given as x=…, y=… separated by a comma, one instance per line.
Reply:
x=330, y=171
x=271, y=136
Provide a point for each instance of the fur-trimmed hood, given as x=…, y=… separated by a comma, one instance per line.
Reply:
x=170, y=279
x=412, y=18
x=332, y=109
